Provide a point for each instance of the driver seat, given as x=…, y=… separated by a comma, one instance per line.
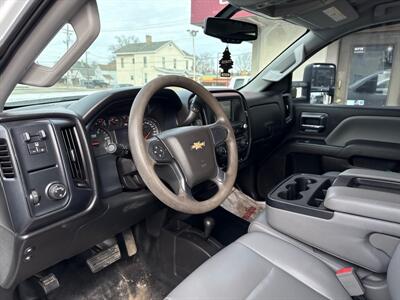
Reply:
x=260, y=266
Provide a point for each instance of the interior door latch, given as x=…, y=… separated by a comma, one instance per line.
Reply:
x=313, y=122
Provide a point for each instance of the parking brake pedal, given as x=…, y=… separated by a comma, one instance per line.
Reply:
x=104, y=258
x=48, y=283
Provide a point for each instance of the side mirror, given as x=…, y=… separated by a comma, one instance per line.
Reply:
x=320, y=79
x=231, y=31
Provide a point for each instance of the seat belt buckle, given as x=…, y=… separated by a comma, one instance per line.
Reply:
x=350, y=281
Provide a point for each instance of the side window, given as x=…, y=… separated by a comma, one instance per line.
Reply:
x=355, y=70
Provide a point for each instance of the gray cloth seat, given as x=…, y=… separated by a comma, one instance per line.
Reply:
x=260, y=266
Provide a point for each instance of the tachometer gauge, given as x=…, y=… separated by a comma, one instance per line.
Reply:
x=114, y=122
x=99, y=139
x=150, y=128
x=100, y=122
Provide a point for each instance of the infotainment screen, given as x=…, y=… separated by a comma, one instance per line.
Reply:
x=227, y=107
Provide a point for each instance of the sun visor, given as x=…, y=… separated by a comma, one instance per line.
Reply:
x=311, y=14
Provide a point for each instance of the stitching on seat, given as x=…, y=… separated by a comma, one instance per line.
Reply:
x=261, y=281
x=259, y=254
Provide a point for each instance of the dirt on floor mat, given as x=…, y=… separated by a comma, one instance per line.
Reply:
x=128, y=279
x=243, y=206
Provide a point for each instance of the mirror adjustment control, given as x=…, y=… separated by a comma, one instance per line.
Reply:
x=56, y=191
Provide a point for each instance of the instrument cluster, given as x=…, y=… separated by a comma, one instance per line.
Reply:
x=109, y=135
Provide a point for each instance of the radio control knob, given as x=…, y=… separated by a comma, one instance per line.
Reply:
x=56, y=191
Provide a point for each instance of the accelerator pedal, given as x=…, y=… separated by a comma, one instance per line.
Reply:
x=130, y=243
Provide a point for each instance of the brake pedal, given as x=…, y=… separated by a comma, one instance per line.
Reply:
x=104, y=258
x=129, y=241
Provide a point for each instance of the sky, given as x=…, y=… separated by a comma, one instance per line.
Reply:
x=162, y=19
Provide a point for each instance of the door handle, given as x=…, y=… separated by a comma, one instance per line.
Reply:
x=313, y=122
x=320, y=127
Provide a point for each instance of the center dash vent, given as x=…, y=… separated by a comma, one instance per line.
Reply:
x=75, y=160
x=6, y=165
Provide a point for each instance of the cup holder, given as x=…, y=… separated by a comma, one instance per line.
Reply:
x=293, y=190
x=302, y=183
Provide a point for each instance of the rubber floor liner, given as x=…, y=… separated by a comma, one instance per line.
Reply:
x=128, y=279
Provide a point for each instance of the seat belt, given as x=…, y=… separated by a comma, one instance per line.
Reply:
x=350, y=282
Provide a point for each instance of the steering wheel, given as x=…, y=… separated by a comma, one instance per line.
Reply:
x=183, y=157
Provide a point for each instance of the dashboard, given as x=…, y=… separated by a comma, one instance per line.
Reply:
x=68, y=179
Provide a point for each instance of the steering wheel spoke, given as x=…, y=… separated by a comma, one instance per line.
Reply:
x=171, y=173
x=219, y=132
x=220, y=178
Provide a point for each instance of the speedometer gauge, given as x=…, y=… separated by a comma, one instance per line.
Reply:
x=150, y=128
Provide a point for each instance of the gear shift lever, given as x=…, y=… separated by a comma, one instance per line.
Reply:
x=209, y=224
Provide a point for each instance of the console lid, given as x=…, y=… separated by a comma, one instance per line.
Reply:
x=368, y=193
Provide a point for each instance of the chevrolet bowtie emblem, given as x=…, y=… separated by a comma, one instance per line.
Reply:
x=198, y=145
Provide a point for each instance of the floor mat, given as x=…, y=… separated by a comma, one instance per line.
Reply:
x=243, y=206
x=127, y=279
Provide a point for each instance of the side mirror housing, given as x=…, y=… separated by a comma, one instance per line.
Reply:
x=320, y=79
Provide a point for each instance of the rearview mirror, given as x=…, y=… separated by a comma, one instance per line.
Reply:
x=231, y=31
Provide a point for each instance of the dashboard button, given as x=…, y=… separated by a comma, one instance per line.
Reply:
x=34, y=197
x=56, y=191
x=42, y=134
x=26, y=137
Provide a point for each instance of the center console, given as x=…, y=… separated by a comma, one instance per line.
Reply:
x=354, y=216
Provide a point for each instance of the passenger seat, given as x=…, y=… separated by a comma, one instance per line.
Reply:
x=260, y=266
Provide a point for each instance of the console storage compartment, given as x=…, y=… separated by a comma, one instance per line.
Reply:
x=355, y=217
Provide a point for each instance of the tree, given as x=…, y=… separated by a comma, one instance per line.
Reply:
x=121, y=41
x=205, y=63
x=243, y=63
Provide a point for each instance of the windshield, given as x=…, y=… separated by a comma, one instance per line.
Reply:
x=141, y=40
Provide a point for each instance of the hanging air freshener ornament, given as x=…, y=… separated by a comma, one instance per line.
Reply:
x=226, y=63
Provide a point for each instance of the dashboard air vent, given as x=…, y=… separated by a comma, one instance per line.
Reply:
x=6, y=165
x=75, y=160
